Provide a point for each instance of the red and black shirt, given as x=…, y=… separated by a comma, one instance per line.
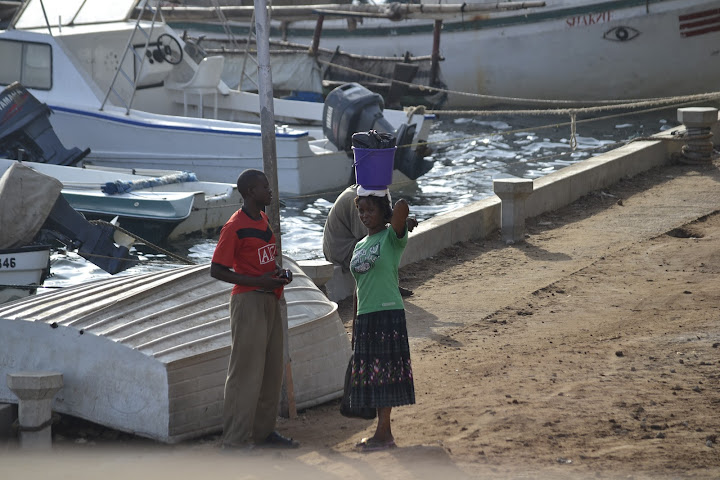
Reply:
x=248, y=247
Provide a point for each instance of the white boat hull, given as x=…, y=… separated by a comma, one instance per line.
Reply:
x=215, y=154
x=580, y=50
x=148, y=354
x=22, y=268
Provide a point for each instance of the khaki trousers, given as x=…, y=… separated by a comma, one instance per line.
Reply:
x=254, y=379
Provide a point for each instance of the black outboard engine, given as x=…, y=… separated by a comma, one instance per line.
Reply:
x=92, y=242
x=24, y=125
x=34, y=211
x=352, y=108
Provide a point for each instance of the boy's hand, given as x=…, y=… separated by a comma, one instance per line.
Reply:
x=270, y=281
x=286, y=274
x=411, y=223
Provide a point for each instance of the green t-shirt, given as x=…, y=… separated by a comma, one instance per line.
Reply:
x=374, y=266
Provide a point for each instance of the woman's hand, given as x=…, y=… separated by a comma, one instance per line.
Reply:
x=399, y=217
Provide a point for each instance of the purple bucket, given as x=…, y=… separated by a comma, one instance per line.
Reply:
x=374, y=167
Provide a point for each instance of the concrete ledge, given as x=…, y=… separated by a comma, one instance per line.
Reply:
x=477, y=220
x=550, y=192
x=561, y=188
x=319, y=270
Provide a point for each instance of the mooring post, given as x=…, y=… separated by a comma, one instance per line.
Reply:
x=698, y=121
x=35, y=392
x=513, y=192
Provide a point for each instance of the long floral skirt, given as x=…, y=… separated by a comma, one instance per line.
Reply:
x=382, y=372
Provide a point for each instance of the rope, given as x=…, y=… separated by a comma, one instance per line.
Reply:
x=678, y=138
x=573, y=131
x=25, y=287
x=54, y=418
x=514, y=131
x=601, y=104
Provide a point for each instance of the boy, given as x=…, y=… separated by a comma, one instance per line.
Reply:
x=245, y=256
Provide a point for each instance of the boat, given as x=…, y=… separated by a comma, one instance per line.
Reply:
x=34, y=217
x=575, y=51
x=401, y=82
x=123, y=86
x=156, y=206
x=23, y=270
x=148, y=354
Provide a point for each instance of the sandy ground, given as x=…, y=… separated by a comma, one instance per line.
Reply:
x=591, y=350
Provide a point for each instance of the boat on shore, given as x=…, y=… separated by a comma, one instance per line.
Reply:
x=147, y=354
x=578, y=51
x=157, y=206
x=34, y=217
x=124, y=87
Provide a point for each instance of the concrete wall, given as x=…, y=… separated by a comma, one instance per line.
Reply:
x=550, y=192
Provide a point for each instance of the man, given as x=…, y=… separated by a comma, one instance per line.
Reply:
x=343, y=229
x=245, y=256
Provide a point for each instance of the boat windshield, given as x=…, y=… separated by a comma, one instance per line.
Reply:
x=72, y=12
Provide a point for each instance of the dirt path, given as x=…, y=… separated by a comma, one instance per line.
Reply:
x=592, y=348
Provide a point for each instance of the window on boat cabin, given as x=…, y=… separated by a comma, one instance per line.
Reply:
x=26, y=62
x=72, y=12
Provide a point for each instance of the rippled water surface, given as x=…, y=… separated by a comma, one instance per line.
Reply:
x=468, y=153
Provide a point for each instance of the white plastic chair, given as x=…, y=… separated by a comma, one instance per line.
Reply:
x=205, y=81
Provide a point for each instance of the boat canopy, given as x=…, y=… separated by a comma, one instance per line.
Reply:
x=40, y=13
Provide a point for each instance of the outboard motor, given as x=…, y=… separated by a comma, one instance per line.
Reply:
x=92, y=242
x=35, y=212
x=352, y=108
x=24, y=125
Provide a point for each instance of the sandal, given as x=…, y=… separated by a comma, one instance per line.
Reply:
x=368, y=445
x=275, y=440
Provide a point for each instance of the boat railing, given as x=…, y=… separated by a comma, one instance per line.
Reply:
x=132, y=79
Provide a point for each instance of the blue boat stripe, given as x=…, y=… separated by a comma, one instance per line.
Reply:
x=85, y=113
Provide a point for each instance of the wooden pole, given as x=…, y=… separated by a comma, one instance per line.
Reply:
x=294, y=13
x=435, y=63
x=267, y=129
x=316, y=35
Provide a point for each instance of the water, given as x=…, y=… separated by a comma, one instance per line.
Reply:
x=468, y=153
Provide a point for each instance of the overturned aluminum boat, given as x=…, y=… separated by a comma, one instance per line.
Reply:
x=148, y=354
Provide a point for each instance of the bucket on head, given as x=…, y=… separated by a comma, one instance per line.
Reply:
x=374, y=167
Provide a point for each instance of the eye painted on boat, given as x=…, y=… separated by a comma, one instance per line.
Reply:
x=621, y=34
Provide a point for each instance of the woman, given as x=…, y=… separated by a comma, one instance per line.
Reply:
x=382, y=373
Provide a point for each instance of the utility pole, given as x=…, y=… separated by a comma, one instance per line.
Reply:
x=267, y=129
